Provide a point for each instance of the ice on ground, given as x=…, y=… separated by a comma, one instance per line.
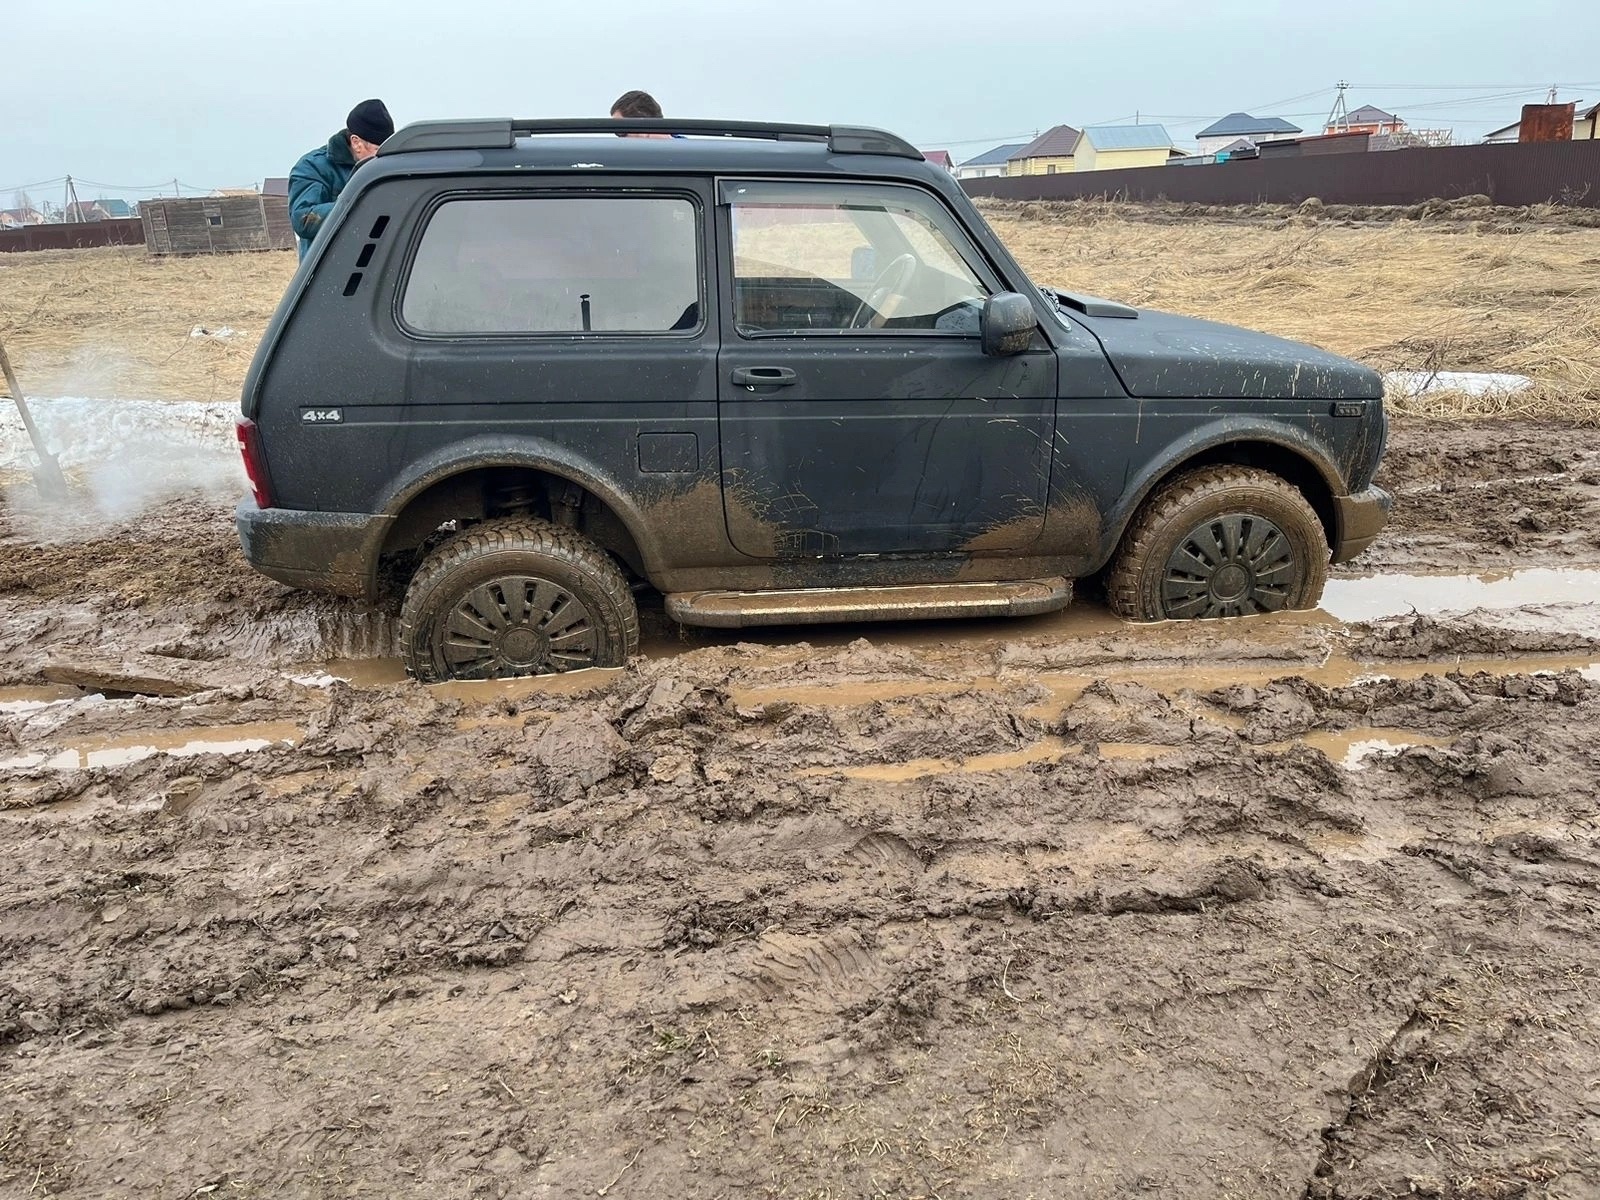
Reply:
x=81, y=431
x=1471, y=383
x=124, y=456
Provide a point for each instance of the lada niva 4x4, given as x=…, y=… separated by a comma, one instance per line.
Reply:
x=780, y=374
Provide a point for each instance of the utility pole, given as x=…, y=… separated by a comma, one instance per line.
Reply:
x=1551, y=98
x=1339, y=118
x=70, y=200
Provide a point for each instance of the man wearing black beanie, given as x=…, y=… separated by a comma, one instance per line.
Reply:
x=319, y=177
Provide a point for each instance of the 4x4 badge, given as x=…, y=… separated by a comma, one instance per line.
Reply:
x=322, y=416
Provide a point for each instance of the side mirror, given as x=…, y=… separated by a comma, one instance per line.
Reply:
x=1007, y=324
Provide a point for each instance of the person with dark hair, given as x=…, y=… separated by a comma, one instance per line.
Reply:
x=639, y=104
x=636, y=104
x=319, y=177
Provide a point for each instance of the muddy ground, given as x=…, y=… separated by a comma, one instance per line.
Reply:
x=1050, y=908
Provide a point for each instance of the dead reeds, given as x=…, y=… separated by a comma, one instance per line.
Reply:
x=1518, y=298
x=1475, y=291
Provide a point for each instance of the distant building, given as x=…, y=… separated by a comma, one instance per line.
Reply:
x=1327, y=143
x=1117, y=147
x=1583, y=124
x=278, y=185
x=16, y=218
x=988, y=164
x=939, y=158
x=1241, y=148
x=1048, y=154
x=216, y=224
x=1235, y=126
x=1367, y=119
x=83, y=210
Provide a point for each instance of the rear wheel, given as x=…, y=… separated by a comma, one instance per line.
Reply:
x=1219, y=542
x=518, y=596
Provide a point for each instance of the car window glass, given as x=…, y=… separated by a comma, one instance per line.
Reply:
x=556, y=264
x=810, y=258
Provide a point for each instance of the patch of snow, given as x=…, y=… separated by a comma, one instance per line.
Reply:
x=1472, y=383
x=81, y=431
x=223, y=334
x=123, y=457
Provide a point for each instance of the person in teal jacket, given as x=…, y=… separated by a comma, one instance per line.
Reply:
x=319, y=177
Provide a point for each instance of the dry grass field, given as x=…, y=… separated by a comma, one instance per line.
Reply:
x=1506, y=294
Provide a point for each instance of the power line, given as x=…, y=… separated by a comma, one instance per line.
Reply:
x=28, y=187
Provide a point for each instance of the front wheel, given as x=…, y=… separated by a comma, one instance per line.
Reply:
x=513, y=597
x=1219, y=542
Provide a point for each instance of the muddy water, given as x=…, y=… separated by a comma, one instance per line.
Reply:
x=1353, y=600
x=1345, y=602
x=1353, y=749
x=85, y=753
x=27, y=699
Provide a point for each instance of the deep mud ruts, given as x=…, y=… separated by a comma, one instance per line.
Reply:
x=1084, y=910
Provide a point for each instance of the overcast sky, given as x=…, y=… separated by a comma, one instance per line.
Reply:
x=222, y=93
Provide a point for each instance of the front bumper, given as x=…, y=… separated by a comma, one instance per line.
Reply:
x=1360, y=518
x=321, y=551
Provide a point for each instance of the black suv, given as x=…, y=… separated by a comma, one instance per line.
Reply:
x=783, y=374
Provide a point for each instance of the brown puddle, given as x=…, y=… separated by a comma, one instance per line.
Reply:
x=1377, y=596
x=1047, y=750
x=175, y=743
x=1266, y=638
x=1352, y=749
x=26, y=699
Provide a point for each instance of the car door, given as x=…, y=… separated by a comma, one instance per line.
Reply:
x=856, y=410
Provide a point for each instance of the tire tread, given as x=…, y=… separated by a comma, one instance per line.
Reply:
x=528, y=535
x=1123, y=580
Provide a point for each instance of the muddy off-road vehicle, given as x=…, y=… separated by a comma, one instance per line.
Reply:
x=783, y=374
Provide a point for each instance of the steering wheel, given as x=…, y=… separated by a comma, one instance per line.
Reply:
x=894, y=277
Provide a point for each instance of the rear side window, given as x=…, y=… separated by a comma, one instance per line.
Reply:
x=556, y=264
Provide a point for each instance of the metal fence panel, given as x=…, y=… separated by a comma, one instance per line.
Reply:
x=1510, y=174
x=76, y=236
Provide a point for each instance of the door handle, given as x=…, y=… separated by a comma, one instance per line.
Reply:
x=754, y=377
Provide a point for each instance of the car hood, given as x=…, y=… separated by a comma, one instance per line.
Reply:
x=1159, y=355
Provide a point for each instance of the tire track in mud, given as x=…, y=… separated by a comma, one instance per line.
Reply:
x=674, y=926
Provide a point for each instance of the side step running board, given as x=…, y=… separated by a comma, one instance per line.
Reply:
x=819, y=606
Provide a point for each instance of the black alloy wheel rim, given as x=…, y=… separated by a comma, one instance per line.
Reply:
x=1230, y=566
x=518, y=625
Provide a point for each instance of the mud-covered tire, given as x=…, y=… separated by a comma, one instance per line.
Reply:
x=1219, y=542
x=516, y=596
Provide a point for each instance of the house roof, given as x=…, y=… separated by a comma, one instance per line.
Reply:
x=1240, y=144
x=1127, y=137
x=1244, y=125
x=1057, y=142
x=116, y=208
x=1368, y=115
x=276, y=186
x=996, y=157
x=939, y=158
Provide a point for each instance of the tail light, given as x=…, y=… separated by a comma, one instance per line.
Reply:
x=255, y=463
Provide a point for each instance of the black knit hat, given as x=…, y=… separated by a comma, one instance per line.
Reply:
x=370, y=121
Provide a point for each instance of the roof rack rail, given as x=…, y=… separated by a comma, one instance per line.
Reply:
x=502, y=134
